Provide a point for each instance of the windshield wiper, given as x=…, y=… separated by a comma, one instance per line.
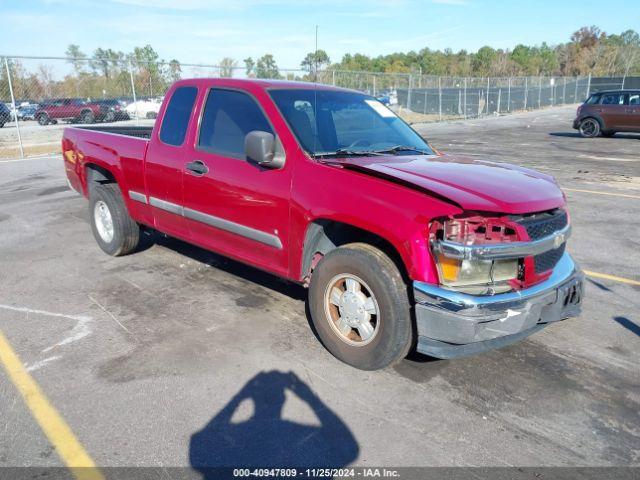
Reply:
x=345, y=152
x=404, y=148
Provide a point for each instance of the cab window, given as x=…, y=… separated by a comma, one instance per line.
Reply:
x=228, y=117
x=176, y=118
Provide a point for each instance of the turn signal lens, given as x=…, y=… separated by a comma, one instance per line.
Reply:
x=449, y=268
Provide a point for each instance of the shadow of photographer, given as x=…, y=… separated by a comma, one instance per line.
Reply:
x=266, y=440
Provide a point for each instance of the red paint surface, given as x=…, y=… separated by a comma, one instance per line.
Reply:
x=394, y=197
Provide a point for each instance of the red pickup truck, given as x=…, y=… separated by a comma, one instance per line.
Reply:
x=71, y=109
x=401, y=246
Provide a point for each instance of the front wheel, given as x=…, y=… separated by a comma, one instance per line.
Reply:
x=115, y=231
x=589, y=128
x=43, y=119
x=360, y=308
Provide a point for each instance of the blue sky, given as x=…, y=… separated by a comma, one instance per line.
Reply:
x=204, y=31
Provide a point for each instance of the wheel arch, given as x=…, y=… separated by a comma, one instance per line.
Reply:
x=323, y=235
x=97, y=175
x=595, y=117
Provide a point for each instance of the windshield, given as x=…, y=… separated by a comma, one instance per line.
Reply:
x=345, y=123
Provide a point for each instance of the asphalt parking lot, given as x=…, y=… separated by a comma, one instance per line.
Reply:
x=151, y=358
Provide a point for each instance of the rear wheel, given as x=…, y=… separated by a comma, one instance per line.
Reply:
x=115, y=231
x=86, y=117
x=360, y=307
x=589, y=128
x=43, y=119
x=151, y=115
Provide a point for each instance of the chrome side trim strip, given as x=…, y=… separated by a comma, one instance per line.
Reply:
x=238, y=229
x=167, y=206
x=138, y=197
x=502, y=250
x=217, y=222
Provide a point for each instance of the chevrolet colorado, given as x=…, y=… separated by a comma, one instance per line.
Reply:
x=400, y=246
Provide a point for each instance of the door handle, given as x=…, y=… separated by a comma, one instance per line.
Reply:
x=197, y=168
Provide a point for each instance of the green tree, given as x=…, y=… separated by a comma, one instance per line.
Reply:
x=76, y=58
x=315, y=61
x=266, y=67
x=227, y=65
x=175, y=70
x=482, y=61
x=250, y=67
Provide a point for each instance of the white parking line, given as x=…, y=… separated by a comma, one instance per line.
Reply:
x=597, y=192
x=611, y=159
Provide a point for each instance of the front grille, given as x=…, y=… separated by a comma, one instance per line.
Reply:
x=547, y=260
x=544, y=224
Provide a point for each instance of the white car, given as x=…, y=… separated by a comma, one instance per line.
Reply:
x=144, y=108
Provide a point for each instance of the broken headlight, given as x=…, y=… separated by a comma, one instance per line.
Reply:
x=472, y=275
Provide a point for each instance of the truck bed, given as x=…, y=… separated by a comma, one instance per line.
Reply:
x=128, y=130
x=120, y=150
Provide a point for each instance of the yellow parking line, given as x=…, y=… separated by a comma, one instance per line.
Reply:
x=53, y=425
x=606, y=276
x=596, y=192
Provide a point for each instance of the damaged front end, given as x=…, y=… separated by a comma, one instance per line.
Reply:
x=501, y=279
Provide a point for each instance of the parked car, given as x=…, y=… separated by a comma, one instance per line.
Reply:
x=112, y=110
x=27, y=112
x=608, y=112
x=70, y=109
x=5, y=114
x=352, y=203
x=384, y=98
x=144, y=109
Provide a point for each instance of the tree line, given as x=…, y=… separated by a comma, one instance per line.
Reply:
x=589, y=51
x=109, y=73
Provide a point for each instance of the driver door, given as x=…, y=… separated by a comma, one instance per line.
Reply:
x=232, y=205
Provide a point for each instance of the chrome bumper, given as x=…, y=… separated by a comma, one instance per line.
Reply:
x=452, y=324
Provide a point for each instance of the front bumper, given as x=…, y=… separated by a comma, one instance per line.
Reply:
x=576, y=123
x=452, y=324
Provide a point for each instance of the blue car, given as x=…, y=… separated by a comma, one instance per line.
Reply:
x=5, y=114
x=384, y=99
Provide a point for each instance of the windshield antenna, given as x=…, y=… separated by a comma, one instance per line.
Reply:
x=315, y=95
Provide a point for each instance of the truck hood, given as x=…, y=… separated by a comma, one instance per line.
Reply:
x=472, y=184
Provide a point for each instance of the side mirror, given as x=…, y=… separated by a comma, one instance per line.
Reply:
x=260, y=147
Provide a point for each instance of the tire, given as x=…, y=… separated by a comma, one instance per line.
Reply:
x=43, y=119
x=380, y=279
x=608, y=133
x=125, y=232
x=589, y=127
x=87, y=117
x=110, y=117
x=151, y=115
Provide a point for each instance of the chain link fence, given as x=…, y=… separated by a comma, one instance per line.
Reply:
x=39, y=96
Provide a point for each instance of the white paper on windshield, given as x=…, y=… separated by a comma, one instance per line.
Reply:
x=380, y=109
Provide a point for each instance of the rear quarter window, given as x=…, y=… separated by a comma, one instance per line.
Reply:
x=176, y=118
